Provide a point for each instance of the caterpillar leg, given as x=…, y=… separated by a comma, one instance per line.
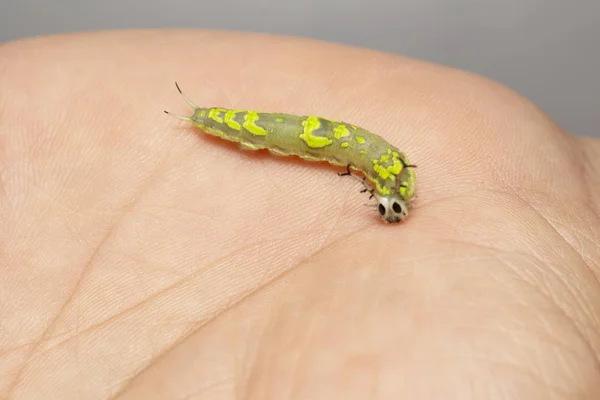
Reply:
x=348, y=172
x=363, y=180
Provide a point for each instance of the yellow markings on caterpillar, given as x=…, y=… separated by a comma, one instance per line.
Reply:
x=391, y=170
x=345, y=144
x=229, y=120
x=250, y=124
x=310, y=125
x=360, y=139
x=407, y=191
x=278, y=119
x=341, y=131
x=381, y=171
x=381, y=189
x=214, y=114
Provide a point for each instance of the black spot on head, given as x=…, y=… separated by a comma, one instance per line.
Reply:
x=381, y=210
x=396, y=207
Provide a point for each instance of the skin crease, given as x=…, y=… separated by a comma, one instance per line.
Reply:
x=141, y=260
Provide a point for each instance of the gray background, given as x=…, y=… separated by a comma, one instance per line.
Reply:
x=548, y=50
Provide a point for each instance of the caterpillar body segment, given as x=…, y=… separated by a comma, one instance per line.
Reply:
x=316, y=138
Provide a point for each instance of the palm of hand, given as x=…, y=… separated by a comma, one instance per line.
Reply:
x=142, y=261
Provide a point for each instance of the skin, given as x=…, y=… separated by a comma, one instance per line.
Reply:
x=141, y=260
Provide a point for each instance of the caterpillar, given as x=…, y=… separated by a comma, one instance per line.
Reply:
x=315, y=138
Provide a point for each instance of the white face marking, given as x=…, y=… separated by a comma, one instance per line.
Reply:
x=392, y=208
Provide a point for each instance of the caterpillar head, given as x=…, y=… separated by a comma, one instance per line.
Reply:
x=391, y=208
x=394, y=207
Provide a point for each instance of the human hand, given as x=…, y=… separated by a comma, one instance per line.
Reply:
x=140, y=259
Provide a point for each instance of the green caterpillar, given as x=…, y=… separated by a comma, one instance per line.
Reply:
x=319, y=139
